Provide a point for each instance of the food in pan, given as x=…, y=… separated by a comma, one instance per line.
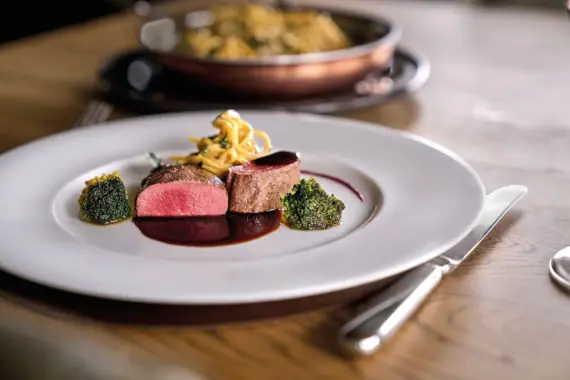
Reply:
x=252, y=30
x=104, y=200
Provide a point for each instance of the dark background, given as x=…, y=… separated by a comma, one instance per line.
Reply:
x=19, y=19
x=22, y=18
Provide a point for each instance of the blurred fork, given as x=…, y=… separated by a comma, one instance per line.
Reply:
x=96, y=112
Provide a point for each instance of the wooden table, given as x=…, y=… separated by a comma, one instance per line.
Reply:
x=499, y=96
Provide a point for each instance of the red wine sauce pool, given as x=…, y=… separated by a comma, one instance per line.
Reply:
x=209, y=231
x=278, y=158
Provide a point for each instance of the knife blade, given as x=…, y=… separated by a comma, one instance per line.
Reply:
x=382, y=315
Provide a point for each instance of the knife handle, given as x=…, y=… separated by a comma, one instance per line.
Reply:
x=385, y=313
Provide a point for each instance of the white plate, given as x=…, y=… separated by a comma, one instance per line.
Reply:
x=420, y=199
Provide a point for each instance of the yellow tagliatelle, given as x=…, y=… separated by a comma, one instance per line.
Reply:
x=234, y=144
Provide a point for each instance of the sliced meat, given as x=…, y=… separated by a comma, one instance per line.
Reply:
x=257, y=186
x=182, y=190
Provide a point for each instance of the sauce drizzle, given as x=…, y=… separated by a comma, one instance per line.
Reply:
x=337, y=180
x=286, y=158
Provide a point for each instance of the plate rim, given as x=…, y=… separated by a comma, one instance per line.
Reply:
x=363, y=280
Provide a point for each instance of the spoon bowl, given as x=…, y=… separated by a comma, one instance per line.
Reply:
x=559, y=267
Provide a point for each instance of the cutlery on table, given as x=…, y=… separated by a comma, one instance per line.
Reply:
x=96, y=112
x=559, y=267
x=381, y=316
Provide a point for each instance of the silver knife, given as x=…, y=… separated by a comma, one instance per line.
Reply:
x=382, y=315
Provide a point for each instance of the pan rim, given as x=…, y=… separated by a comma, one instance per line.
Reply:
x=390, y=38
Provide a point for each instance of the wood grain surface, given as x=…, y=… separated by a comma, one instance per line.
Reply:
x=499, y=96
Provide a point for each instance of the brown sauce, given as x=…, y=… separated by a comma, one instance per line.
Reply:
x=337, y=180
x=209, y=231
x=277, y=158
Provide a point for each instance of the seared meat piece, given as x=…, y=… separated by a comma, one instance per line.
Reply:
x=182, y=190
x=257, y=186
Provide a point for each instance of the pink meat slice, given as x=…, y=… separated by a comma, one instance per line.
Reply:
x=182, y=190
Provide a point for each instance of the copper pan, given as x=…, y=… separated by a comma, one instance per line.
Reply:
x=279, y=76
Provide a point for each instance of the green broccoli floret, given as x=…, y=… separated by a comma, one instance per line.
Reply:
x=104, y=200
x=309, y=207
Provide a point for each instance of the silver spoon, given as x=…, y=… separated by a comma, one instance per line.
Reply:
x=559, y=267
